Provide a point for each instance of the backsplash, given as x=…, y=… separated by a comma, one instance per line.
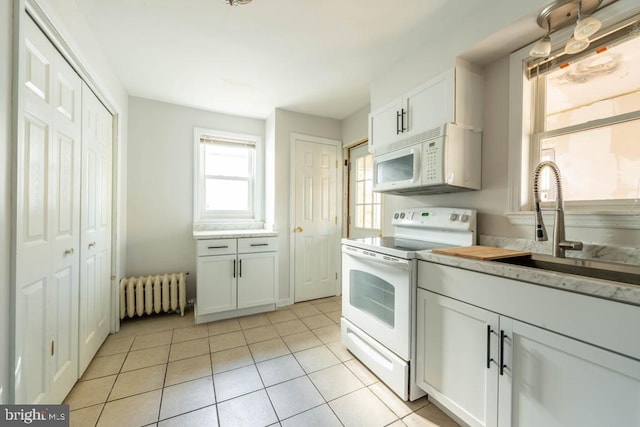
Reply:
x=620, y=254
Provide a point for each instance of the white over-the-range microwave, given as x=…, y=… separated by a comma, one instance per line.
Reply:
x=445, y=159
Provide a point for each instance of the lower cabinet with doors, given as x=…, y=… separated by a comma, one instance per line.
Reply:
x=235, y=277
x=553, y=366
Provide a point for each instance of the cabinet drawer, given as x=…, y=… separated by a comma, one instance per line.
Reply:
x=216, y=247
x=257, y=244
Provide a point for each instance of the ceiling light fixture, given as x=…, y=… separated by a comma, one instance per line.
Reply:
x=561, y=14
x=237, y=2
x=542, y=48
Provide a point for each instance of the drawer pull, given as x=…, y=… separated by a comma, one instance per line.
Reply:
x=217, y=247
x=259, y=244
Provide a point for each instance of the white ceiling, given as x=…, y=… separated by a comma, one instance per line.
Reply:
x=310, y=56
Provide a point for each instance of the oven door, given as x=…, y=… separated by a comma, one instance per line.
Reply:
x=376, y=297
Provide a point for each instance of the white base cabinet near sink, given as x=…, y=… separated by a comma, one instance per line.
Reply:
x=492, y=369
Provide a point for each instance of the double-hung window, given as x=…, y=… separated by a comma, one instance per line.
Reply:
x=582, y=111
x=227, y=183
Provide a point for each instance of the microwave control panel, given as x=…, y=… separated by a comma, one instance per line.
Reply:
x=433, y=158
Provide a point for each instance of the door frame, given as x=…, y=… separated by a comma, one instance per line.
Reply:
x=292, y=203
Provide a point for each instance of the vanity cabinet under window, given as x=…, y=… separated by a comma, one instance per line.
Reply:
x=235, y=277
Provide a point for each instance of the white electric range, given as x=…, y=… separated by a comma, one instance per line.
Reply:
x=379, y=290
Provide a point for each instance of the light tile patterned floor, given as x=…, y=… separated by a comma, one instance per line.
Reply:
x=285, y=368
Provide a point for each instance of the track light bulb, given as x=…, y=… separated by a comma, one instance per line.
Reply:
x=575, y=46
x=586, y=27
x=541, y=48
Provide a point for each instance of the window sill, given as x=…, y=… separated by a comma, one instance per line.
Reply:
x=620, y=219
x=224, y=226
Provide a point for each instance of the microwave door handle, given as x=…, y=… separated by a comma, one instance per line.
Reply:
x=417, y=166
x=402, y=264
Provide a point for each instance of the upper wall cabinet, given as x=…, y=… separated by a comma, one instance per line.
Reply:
x=454, y=96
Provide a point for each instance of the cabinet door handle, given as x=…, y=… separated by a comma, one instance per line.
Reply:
x=502, y=365
x=259, y=244
x=234, y=268
x=489, y=359
x=402, y=126
x=398, y=122
x=217, y=247
x=240, y=269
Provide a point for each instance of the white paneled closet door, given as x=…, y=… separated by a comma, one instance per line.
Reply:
x=47, y=225
x=95, y=213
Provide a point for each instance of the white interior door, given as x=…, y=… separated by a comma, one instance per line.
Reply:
x=47, y=225
x=95, y=220
x=315, y=204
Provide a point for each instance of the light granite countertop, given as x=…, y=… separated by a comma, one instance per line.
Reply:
x=232, y=234
x=616, y=291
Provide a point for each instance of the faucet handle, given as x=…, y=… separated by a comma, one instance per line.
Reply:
x=570, y=245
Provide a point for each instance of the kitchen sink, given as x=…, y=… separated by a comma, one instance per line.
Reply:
x=616, y=272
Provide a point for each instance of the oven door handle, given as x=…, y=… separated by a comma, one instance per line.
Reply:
x=401, y=264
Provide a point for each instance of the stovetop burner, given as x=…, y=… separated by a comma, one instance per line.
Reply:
x=399, y=243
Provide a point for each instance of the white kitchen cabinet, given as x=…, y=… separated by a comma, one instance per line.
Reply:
x=554, y=381
x=217, y=284
x=256, y=279
x=456, y=343
x=384, y=124
x=490, y=369
x=454, y=96
x=235, y=277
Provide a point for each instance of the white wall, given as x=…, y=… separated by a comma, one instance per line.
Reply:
x=286, y=123
x=160, y=183
x=355, y=127
x=6, y=64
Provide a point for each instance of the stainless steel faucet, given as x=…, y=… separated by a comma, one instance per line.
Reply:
x=560, y=245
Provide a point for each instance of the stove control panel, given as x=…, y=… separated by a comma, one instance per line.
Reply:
x=436, y=217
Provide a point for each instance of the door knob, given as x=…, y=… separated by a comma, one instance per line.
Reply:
x=69, y=251
x=299, y=229
x=92, y=245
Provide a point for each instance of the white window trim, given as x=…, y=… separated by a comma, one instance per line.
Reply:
x=519, y=210
x=201, y=222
